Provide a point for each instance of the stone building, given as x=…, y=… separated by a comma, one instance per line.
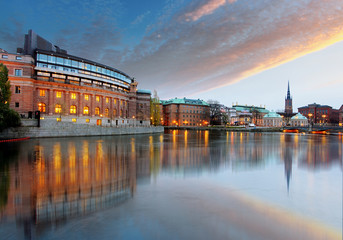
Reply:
x=320, y=114
x=299, y=120
x=272, y=119
x=68, y=88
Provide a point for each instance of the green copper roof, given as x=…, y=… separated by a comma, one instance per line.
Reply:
x=144, y=91
x=184, y=101
x=299, y=116
x=272, y=115
x=240, y=108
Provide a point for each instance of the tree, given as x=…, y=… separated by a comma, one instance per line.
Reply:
x=215, y=112
x=155, y=111
x=8, y=117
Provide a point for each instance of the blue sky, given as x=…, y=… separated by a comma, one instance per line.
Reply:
x=232, y=51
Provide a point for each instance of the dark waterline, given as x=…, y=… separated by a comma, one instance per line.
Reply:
x=177, y=185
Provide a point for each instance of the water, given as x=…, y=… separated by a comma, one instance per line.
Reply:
x=177, y=185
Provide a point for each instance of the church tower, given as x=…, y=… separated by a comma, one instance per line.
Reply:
x=288, y=102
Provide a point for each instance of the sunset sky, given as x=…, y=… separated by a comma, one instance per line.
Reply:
x=242, y=51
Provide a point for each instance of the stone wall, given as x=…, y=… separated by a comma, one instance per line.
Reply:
x=66, y=129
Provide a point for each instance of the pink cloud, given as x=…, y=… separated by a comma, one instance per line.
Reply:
x=206, y=9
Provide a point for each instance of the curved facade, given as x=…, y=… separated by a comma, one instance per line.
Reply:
x=68, y=88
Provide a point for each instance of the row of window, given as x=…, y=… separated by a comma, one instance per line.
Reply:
x=4, y=56
x=81, y=65
x=42, y=93
x=73, y=110
x=121, y=83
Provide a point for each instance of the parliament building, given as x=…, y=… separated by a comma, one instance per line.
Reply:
x=68, y=88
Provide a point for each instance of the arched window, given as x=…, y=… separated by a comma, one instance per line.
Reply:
x=106, y=112
x=73, y=109
x=58, y=108
x=97, y=111
x=41, y=107
x=86, y=110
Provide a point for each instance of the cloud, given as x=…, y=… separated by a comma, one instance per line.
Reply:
x=208, y=8
x=230, y=44
x=140, y=18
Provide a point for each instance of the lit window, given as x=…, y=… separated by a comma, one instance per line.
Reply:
x=73, y=109
x=115, y=101
x=97, y=111
x=73, y=119
x=86, y=110
x=121, y=113
x=121, y=102
x=18, y=72
x=73, y=95
x=58, y=108
x=17, y=89
x=97, y=98
x=58, y=119
x=107, y=100
x=41, y=107
x=87, y=120
x=86, y=97
x=114, y=112
x=58, y=94
x=106, y=112
x=42, y=93
x=5, y=56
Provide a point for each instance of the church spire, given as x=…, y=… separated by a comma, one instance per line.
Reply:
x=288, y=92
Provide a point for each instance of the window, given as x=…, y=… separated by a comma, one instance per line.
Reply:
x=121, y=113
x=73, y=109
x=5, y=56
x=41, y=107
x=107, y=99
x=73, y=119
x=97, y=98
x=58, y=94
x=17, y=89
x=58, y=108
x=97, y=111
x=73, y=95
x=87, y=120
x=114, y=112
x=86, y=110
x=42, y=93
x=18, y=72
x=115, y=101
x=86, y=97
x=18, y=57
x=106, y=112
x=16, y=104
x=58, y=119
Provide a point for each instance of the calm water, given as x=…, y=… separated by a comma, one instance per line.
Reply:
x=177, y=185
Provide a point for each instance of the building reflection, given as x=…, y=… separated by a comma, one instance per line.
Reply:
x=63, y=179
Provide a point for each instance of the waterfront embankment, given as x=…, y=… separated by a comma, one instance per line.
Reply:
x=231, y=129
x=68, y=129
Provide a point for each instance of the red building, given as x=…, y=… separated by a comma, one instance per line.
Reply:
x=185, y=112
x=320, y=114
x=63, y=87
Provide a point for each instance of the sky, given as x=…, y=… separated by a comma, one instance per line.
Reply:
x=233, y=51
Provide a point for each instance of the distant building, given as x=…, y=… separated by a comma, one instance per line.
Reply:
x=68, y=88
x=272, y=119
x=185, y=112
x=320, y=114
x=250, y=114
x=288, y=102
x=299, y=121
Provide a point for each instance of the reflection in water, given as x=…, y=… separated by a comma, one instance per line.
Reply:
x=45, y=181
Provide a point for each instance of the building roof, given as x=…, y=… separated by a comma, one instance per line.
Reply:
x=143, y=91
x=316, y=105
x=184, y=101
x=299, y=116
x=241, y=108
x=272, y=115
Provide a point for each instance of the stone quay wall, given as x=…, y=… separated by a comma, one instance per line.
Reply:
x=67, y=129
